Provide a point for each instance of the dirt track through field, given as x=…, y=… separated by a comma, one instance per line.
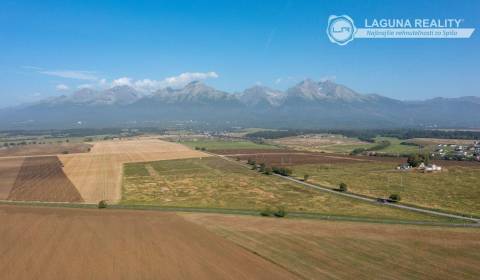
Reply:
x=58, y=243
x=98, y=174
x=42, y=179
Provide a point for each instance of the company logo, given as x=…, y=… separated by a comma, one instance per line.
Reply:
x=341, y=29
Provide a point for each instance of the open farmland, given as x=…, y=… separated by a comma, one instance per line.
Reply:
x=290, y=157
x=344, y=250
x=216, y=183
x=56, y=243
x=9, y=169
x=42, y=179
x=332, y=143
x=45, y=149
x=219, y=144
x=454, y=189
x=98, y=174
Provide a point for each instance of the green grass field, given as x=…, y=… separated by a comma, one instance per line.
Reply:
x=216, y=183
x=455, y=189
x=396, y=147
x=226, y=144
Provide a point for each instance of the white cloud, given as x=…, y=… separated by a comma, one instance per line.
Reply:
x=72, y=74
x=61, y=87
x=188, y=77
x=123, y=81
x=85, y=86
x=149, y=85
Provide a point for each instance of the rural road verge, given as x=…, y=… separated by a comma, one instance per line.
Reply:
x=359, y=197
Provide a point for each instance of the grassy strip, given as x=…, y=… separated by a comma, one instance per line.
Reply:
x=302, y=215
x=291, y=215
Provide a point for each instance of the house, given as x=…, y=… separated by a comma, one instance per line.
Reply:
x=404, y=166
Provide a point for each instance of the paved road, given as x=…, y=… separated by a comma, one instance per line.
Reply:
x=354, y=196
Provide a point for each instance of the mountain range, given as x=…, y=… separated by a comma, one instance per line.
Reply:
x=308, y=104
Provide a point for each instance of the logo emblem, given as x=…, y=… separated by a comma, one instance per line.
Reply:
x=341, y=29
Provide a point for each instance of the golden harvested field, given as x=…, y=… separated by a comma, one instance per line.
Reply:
x=59, y=243
x=345, y=250
x=9, y=169
x=98, y=174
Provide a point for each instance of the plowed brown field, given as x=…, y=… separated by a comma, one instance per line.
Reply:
x=8, y=174
x=98, y=174
x=55, y=243
x=289, y=157
x=42, y=179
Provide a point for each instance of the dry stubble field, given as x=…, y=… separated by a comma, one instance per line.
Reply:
x=60, y=243
x=345, y=250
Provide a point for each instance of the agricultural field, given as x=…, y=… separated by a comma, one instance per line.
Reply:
x=291, y=157
x=396, y=146
x=42, y=179
x=44, y=149
x=221, y=144
x=316, y=249
x=215, y=183
x=454, y=189
x=330, y=143
x=98, y=174
x=9, y=169
x=61, y=243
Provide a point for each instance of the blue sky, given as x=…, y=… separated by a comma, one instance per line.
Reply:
x=49, y=48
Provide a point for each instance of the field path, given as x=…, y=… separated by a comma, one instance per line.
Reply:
x=60, y=243
x=98, y=175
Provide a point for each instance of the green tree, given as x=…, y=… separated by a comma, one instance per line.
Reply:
x=343, y=187
x=102, y=204
x=262, y=167
x=395, y=197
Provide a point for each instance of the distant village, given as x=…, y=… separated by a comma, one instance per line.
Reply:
x=457, y=152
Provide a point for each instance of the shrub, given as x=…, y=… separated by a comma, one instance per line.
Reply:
x=394, y=197
x=280, y=213
x=343, y=187
x=305, y=177
x=267, y=212
x=203, y=149
x=282, y=171
x=268, y=171
x=102, y=204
